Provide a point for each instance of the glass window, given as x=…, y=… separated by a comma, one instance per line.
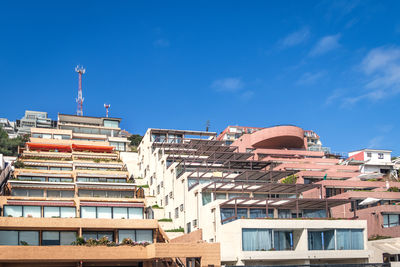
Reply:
x=220, y=196
x=314, y=213
x=50, y=212
x=321, y=240
x=50, y=238
x=66, y=238
x=32, y=211
x=256, y=239
x=135, y=213
x=284, y=214
x=120, y=213
x=391, y=220
x=206, y=198
x=30, y=238
x=122, y=234
x=111, y=124
x=283, y=240
x=227, y=213
x=144, y=236
x=104, y=212
x=98, y=235
x=85, y=193
x=35, y=193
x=260, y=213
x=67, y=193
x=348, y=239
x=12, y=211
x=68, y=212
x=9, y=238
x=88, y=212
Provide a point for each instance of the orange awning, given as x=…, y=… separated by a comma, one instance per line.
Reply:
x=77, y=147
x=47, y=147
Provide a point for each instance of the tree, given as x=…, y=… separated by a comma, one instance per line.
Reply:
x=135, y=139
x=8, y=146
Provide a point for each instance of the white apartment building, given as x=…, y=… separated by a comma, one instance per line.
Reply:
x=201, y=183
x=372, y=161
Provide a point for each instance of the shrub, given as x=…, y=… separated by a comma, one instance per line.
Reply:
x=393, y=189
x=291, y=179
x=176, y=230
x=165, y=220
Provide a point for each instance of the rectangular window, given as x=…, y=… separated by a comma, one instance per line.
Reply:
x=32, y=211
x=349, y=239
x=256, y=239
x=51, y=212
x=380, y=155
x=104, y=212
x=206, y=198
x=283, y=240
x=12, y=211
x=176, y=213
x=391, y=220
x=98, y=235
x=15, y=238
x=321, y=240
x=67, y=212
x=314, y=213
x=88, y=212
x=111, y=124
x=136, y=235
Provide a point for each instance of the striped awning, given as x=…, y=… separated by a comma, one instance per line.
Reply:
x=40, y=203
x=112, y=204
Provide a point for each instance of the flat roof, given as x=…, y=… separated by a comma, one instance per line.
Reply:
x=184, y=132
x=371, y=149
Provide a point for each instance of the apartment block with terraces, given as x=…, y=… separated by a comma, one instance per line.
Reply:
x=71, y=202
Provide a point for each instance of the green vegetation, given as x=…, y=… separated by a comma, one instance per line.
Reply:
x=291, y=179
x=378, y=237
x=19, y=164
x=143, y=186
x=393, y=189
x=135, y=139
x=104, y=241
x=8, y=146
x=156, y=207
x=165, y=220
x=176, y=230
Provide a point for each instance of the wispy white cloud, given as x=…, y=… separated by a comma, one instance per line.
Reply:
x=247, y=95
x=381, y=67
x=295, y=38
x=161, y=43
x=376, y=142
x=231, y=84
x=310, y=78
x=325, y=44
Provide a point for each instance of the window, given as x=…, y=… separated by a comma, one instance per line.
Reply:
x=391, y=220
x=321, y=240
x=206, y=198
x=194, y=223
x=27, y=192
x=112, y=212
x=330, y=192
x=369, y=154
x=349, y=239
x=59, y=212
x=98, y=235
x=136, y=235
x=181, y=207
x=106, y=194
x=111, y=124
x=283, y=240
x=54, y=238
x=256, y=239
x=314, y=213
x=261, y=213
x=166, y=200
x=176, y=213
x=119, y=146
x=60, y=193
x=15, y=238
x=188, y=227
x=380, y=155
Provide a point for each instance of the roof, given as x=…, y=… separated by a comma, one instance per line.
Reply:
x=370, y=149
x=184, y=132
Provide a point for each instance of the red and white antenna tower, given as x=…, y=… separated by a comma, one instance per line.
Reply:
x=107, y=106
x=79, y=111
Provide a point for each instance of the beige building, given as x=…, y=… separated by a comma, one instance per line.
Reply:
x=72, y=202
x=198, y=182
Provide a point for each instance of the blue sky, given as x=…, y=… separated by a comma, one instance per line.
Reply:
x=330, y=66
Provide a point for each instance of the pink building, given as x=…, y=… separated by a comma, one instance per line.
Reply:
x=286, y=147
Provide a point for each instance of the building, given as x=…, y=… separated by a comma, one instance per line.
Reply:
x=71, y=202
x=9, y=127
x=95, y=129
x=235, y=197
x=232, y=133
x=372, y=161
x=34, y=119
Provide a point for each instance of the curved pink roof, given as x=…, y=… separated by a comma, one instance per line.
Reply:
x=278, y=137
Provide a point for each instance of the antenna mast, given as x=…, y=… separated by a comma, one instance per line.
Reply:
x=79, y=111
x=107, y=106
